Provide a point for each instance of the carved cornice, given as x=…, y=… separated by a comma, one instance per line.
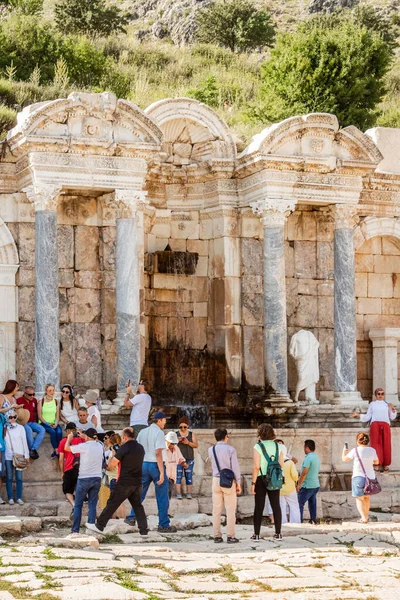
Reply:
x=273, y=212
x=126, y=203
x=43, y=196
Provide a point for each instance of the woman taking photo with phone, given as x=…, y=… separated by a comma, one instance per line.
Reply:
x=364, y=459
x=187, y=444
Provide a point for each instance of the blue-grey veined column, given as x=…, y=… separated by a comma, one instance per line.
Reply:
x=127, y=203
x=273, y=214
x=47, y=346
x=345, y=350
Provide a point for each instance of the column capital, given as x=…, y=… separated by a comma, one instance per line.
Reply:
x=126, y=203
x=43, y=196
x=273, y=212
x=344, y=216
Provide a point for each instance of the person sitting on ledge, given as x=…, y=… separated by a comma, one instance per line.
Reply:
x=83, y=423
x=49, y=415
x=29, y=402
x=379, y=415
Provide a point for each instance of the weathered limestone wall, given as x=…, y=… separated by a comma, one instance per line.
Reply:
x=377, y=265
x=86, y=261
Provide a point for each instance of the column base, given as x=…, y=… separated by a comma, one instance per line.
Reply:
x=277, y=399
x=349, y=399
x=119, y=399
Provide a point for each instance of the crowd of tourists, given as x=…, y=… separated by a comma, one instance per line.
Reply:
x=105, y=469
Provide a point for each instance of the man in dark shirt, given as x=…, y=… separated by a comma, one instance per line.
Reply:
x=129, y=459
x=29, y=402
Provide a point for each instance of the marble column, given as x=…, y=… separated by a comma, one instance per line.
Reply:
x=127, y=204
x=345, y=350
x=47, y=345
x=273, y=215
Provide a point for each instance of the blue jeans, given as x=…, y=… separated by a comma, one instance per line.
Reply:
x=188, y=473
x=34, y=442
x=55, y=435
x=308, y=495
x=91, y=487
x=151, y=473
x=10, y=469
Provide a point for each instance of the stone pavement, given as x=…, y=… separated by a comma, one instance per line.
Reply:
x=328, y=562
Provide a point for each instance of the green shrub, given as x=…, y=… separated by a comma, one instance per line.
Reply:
x=235, y=24
x=114, y=80
x=208, y=92
x=327, y=65
x=8, y=118
x=91, y=17
x=85, y=62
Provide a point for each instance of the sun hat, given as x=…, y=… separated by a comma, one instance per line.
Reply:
x=23, y=416
x=91, y=396
x=171, y=437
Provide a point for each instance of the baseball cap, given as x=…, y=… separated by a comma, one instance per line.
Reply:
x=158, y=415
x=91, y=432
x=70, y=426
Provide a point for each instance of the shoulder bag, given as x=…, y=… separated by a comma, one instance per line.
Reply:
x=226, y=476
x=372, y=486
x=19, y=460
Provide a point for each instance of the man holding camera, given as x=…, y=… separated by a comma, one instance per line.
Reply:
x=69, y=463
x=140, y=403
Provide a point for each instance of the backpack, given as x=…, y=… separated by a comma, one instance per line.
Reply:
x=273, y=478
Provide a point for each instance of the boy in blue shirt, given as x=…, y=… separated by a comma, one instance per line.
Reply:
x=308, y=484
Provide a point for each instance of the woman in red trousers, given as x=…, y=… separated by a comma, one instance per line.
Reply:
x=379, y=415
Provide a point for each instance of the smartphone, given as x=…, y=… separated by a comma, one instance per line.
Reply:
x=346, y=445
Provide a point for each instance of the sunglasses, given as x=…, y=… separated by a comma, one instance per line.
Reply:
x=12, y=417
x=380, y=394
x=65, y=391
x=29, y=394
x=183, y=426
x=106, y=437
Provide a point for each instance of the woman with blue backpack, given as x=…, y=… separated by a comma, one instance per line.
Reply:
x=268, y=462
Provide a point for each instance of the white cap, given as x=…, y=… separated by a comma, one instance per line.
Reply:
x=171, y=437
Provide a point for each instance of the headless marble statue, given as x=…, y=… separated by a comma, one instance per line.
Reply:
x=304, y=350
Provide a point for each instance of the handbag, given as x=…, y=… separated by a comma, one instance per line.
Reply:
x=19, y=460
x=372, y=486
x=226, y=476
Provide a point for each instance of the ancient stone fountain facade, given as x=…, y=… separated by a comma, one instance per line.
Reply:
x=299, y=230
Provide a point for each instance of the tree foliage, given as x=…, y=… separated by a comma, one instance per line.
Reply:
x=329, y=64
x=91, y=17
x=235, y=24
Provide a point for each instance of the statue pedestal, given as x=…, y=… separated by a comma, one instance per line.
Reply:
x=385, y=370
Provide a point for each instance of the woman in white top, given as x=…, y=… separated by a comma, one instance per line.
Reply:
x=379, y=415
x=94, y=416
x=68, y=405
x=15, y=444
x=7, y=398
x=369, y=458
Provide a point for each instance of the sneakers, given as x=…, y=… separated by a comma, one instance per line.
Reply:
x=189, y=496
x=34, y=454
x=1, y=500
x=255, y=538
x=54, y=455
x=144, y=532
x=179, y=496
x=131, y=522
x=11, y=501
x=232, y=540
x=20, y=502
x=93, y=527
x=170, y=529
x=218, y=540
x=277, y=537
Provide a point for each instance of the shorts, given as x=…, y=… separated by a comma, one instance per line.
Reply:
x=70, y=479
x=357, y=487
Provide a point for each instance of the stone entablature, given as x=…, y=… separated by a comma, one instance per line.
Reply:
x=100, y=184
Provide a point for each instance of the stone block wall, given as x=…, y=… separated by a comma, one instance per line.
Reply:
x=377, y=265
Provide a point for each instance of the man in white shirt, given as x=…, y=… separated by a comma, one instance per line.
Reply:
x=89, y=478
x=140, y=404
x=153, y=441
x=379, y=415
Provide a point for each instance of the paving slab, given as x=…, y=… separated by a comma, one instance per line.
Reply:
x=10, y=525
x=104, y=591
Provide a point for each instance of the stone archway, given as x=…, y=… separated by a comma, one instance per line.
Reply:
x=377, y=265
x=9, y=264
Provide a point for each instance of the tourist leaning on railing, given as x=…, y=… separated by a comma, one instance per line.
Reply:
x=49, y=415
